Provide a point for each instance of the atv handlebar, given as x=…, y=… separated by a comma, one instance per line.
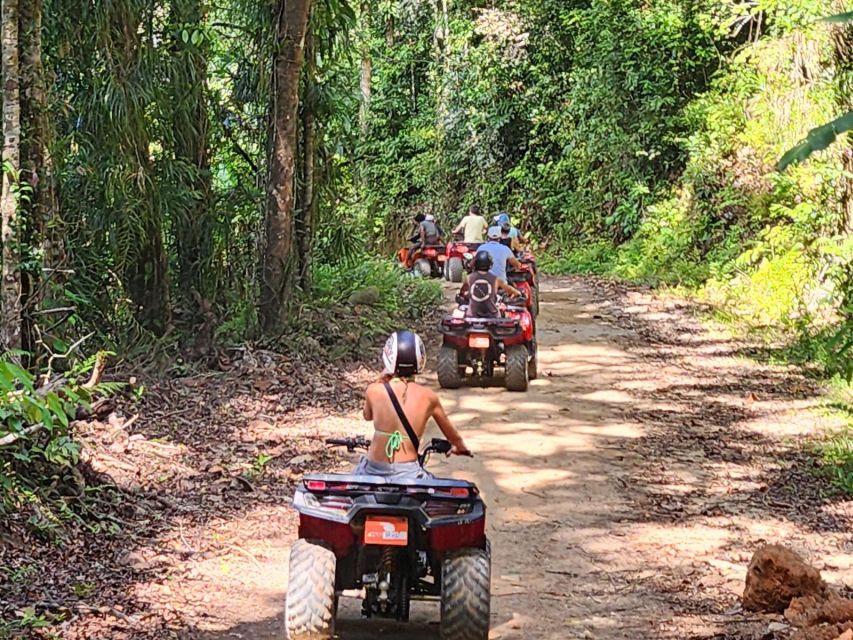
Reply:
x=436, y=445
x=350, y=443
x=521, y=297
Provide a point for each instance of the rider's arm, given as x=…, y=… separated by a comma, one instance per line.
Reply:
x=368, y=409
x=508, y=288
x=516, y=264
x=459, y=227
x=448, y=429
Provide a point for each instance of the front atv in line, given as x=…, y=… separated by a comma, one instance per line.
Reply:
x=394, y=542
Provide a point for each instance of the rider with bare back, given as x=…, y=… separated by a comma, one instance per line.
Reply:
x=401, y=408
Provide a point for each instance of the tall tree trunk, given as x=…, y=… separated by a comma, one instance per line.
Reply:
x=278, y=274
x=365, y=72
x=10, y=329
x=147, y=273
x=194, y=233
x=307, y=205
x=442, y=98
x=43, y=229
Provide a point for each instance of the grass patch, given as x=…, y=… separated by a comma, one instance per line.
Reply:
x=835, y=451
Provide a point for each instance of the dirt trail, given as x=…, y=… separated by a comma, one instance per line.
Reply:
x=626, y=489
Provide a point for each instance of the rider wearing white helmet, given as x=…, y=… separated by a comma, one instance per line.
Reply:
x=392, y=452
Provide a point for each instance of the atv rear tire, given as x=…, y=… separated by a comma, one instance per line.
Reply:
x=309, y=613
x=423, y=268
x=516, y=368
x=455, y=269
x=449, y=368
x=533, y=363
x=465, y=598
x=534, y=307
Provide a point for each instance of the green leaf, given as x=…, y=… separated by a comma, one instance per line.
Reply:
x=22, y=376
x=185, y=36
x=817, y=139
x=197, y=37
x=57, y=408
x=839, y=17
x=821, y=137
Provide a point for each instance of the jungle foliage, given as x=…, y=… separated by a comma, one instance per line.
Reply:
x=181, y=173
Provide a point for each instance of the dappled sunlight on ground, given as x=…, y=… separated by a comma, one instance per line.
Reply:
x=625, y=490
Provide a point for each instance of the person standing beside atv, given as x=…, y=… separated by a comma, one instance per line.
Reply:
x=473, y=226
x=502, y=256
x=400, y=409
x=482, y=288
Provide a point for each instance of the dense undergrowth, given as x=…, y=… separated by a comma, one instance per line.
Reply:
x=355, y=305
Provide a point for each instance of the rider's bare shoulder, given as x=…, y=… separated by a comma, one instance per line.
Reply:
x=372, y=390
x=428, y=394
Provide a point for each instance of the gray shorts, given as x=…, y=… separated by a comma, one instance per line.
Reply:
x=392, y=470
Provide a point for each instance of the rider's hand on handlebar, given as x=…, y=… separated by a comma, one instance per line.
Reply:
x=460, y=450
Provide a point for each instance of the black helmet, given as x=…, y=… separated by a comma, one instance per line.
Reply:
x=483, y=261
x=404, y=354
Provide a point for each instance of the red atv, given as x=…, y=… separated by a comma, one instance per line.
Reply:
x=484, y=344
x=525, y=280
x=394, y=541
x=426, y=261
x=458, y=258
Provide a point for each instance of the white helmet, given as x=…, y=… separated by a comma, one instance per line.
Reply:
x=404, y=354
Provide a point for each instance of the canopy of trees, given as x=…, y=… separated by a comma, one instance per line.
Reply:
x=177, y=170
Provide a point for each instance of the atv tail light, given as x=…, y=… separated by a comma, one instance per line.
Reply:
x=315, y=485
x=440, y=508
x=341, y=503
x=451, y=492
x=479, y=341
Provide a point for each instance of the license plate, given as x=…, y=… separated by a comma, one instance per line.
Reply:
x=479, y=341
x=386, y=530
x=441, y=257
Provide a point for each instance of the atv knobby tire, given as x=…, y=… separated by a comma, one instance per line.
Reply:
x=465, y=578
x=423, y=268
x=455, y=269
x=533, y=363
x=309, y=613
x=449, y=376
x=516, y=368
